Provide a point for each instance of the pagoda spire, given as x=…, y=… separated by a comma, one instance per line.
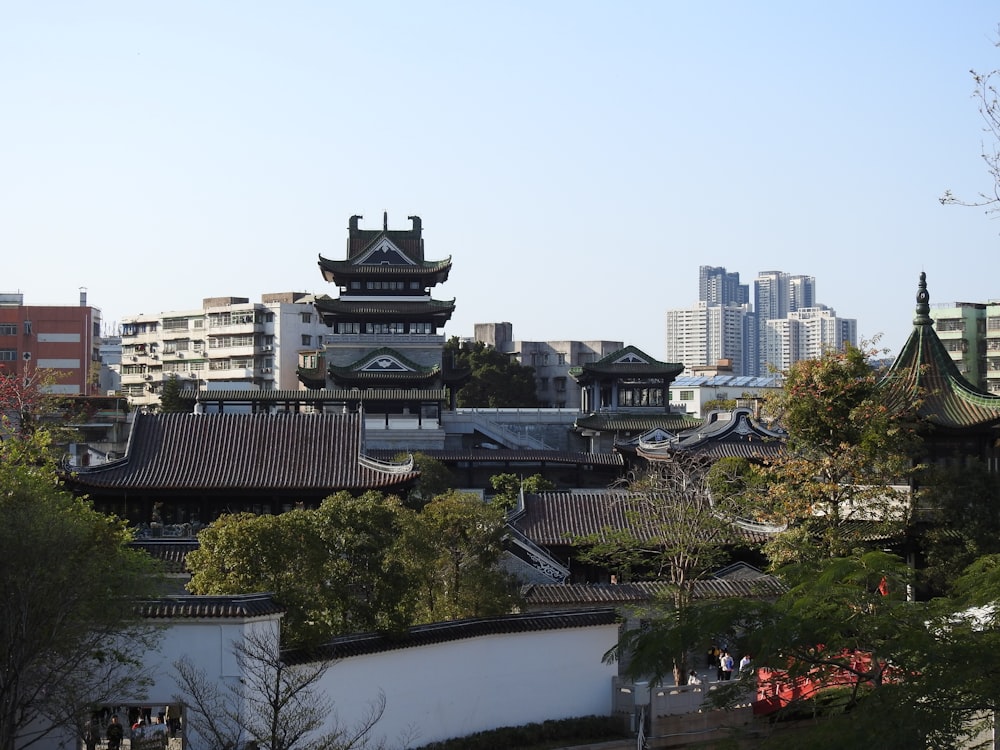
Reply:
x=923, y=316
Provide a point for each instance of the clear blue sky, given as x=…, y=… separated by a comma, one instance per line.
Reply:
x=578, y=160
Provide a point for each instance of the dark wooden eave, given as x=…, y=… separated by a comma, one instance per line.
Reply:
x=438, y=312
x=343, y=272
x=723, y=434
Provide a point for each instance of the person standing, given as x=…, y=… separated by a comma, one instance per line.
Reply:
x=745, y=665
x=115, y=734
x=726, y=663
x=91, y=735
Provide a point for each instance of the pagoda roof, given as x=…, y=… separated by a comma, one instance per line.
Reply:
x=628, y=362
x=384, y=365
x=256, y=453
x=925, y=375
x=334, y=270
x=504, y=456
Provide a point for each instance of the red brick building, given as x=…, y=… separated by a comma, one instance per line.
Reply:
x=64, y=340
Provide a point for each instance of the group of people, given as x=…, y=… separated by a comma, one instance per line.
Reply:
x=115, y=731
x=719, y=659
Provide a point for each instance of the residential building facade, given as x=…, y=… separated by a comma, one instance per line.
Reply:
x=961, y=326
x=702, y=335
x=229, y=342
x=552, y=361
x=63, y=341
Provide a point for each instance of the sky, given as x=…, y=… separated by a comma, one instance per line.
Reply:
x=577, y=160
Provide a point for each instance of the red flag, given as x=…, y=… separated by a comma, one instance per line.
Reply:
x=883, y=587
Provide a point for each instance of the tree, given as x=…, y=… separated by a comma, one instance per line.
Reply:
x=277, y=704
x=464, y=539
x=170, y=397
x=497, y=379
x=435, y=479
x=340, y=568
x=961, y=514
x=848, y=457
x=509, y=486
x=675, y=532
x=69, y=635
x=868, y=662
x=986, y=95
x=33, y=417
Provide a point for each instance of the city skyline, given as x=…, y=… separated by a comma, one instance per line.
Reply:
x=159, y=155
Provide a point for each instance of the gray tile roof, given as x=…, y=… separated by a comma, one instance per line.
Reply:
x=252, y=452
x=580, y=594
x=239, y=606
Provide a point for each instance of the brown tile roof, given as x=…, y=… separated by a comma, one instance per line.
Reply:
x=925, y=374
x=239, y=606
x=253, y=452
x=442, y=632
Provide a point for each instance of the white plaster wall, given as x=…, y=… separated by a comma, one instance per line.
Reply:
x=432, y=692
x=457, y=688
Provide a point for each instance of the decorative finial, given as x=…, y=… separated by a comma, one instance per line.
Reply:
x=385, y=221
x=923, y=316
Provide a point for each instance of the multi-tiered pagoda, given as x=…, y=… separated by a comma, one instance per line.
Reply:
x=385, y=346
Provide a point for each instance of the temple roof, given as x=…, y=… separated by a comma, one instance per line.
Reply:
x=723, y=434
x=557, y=518
x=629, y=362
x=337, y=270
x=314, y=397
x=925, y=374
x=256, y=453
x=618, y=594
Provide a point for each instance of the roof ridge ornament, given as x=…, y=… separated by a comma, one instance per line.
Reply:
x=923, y=316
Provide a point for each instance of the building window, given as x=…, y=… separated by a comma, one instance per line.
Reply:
x=687, y=395
x=8, y=329
x=307, y=340
x=561, y=358
x=560, y=384
x=347, y=328
x=8, y=355
x=543, y=384
x=27, y=328
x=307, y=318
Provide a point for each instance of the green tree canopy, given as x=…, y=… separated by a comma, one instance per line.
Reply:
x=170, y=396
x=464, y=538
x=69, y=584
x=497, y=379
x=848, y=457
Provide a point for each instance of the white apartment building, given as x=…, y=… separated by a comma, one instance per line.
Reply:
x=229, y=343
x=703, y=335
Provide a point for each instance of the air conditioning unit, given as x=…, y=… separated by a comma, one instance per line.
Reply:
x=148, y=377
x=154, y=356
x=180, y=355
x=267, y=348
x=135, y=359
x=265, y=370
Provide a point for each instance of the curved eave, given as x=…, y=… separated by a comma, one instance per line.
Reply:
x=589, y=373
x=342, y=272
x=349, y=378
